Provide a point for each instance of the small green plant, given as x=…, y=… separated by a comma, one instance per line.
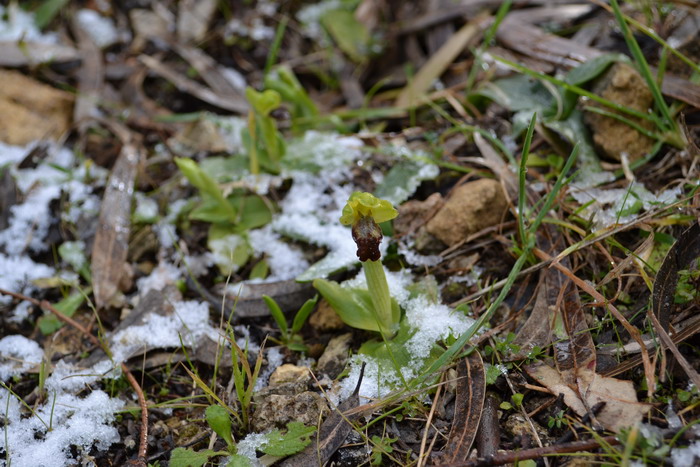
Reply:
x=277, y=444
x=230, y=215
x=244, y=378
x=516, y=401
x=373, y=309
x=263, y=141
x=688, y=287
x=380, y=448
x=558, y=420
x=302, y=107
x=290, y=337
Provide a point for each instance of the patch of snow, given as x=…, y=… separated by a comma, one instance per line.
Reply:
x=74, y=421
x=19, y=25
x=146, y=208
x=17, y=272
x=163, y=275
x=17, y=355
x=608, y=207
x=285, y=261
x=416, y=259
x=100, y=29
x=274, y=360
x=686, y=457
x=190, y=323
x=248, y=445
x=310, y=17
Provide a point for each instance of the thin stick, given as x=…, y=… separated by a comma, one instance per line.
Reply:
x=422, y=456
x=534, y=453
x=143, y=438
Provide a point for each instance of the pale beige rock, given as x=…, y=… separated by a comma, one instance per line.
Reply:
x=325, y=318
x=30, y=110
x=288, y=373
x=469, y=208
x=623, y=85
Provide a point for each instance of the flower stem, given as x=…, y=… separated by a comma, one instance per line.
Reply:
x=381, y=299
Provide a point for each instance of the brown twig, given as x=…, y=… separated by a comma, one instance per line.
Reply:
x=143, y=438
x=514, y=456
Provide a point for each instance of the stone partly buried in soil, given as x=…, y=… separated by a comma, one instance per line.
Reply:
x=469, y=208
x=287, y=399
x=623, y=85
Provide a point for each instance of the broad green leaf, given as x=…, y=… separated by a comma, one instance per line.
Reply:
x=219, y=421
x=212, y=211
x=260, y=270
x=351, y=36
x=225, y=169
x=276, y=313
x=184, y=457
x=297, y=437
x=204, y=183
x=593, y=68
x=230, y=251
x=354, y=306
x=68, y=306
x=253, y=213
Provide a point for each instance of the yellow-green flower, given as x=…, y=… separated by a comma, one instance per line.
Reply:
x=363, y=204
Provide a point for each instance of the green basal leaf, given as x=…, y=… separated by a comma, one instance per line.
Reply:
x=351, y=36
x=253, y=213
x=184, y=457
x=211, y=210
x=230, y=251
x=218, y=419
x=49, y=324
x=205, y=184
x=225, y=169
x=260, y=270
x=297, y=437
x=276, y=313
x=354, y=306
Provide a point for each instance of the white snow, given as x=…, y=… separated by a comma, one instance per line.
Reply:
x=74, y=421
x=285, y=261
x=686, y=457
x=17, y=272
x=20, y=25
x=100, y=29
x=609, y=207
x=248, y=445
x=17, y=355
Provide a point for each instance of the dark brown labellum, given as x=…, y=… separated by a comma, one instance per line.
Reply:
x=367, y=235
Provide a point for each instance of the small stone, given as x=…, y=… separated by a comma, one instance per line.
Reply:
x=333, y=360
x=275, y=410
x=325, y=318
x=469, y=208
x=623, y=85
x=288, y=373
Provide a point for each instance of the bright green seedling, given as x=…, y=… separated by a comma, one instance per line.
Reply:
x=263, y=142
x=230, y=216
x=303, y=109
x=373, y=309
x=381, y=447
x=290, y=337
